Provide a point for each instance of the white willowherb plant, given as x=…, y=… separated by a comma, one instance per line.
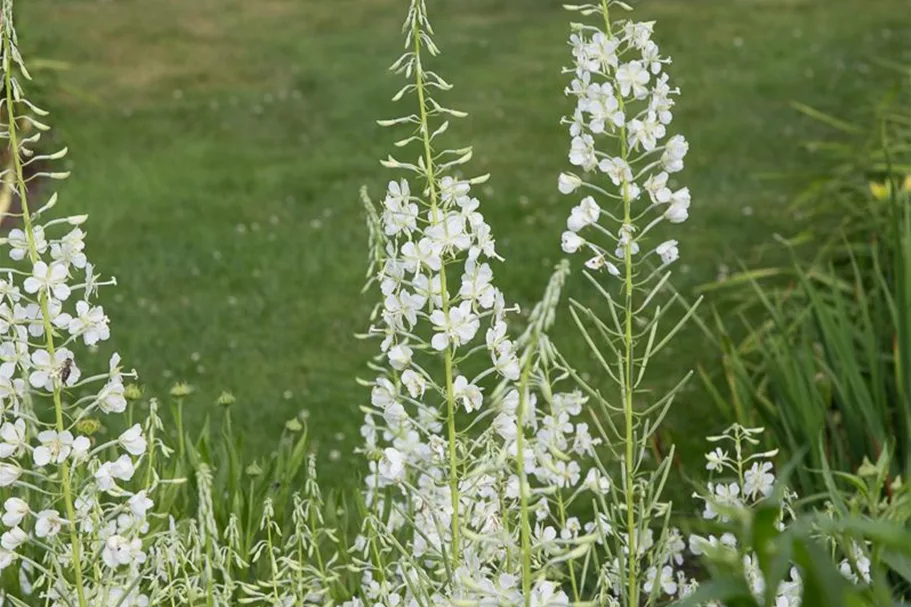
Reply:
x=75, y=511
x=473, y=457
x=618, y=128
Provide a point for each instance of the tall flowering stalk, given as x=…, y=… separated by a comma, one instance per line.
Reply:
x=624, y=160
x=434, y=233
x=473, y=453
x=74, y=518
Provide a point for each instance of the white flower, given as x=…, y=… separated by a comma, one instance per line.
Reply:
x=414, y=382
x=119, y=550
x=133, y=441
x=468, y=394
x=656, y=186
x=567, y=183
x=603, y=49
x=715, y=460
x=81, y=446
x=12, y=436
x=51, y=278
x=399, y=356
x=48, y=523
x=448, y=233
x=55, y=447
x=89, y=322
x=13, y=538
x=758, y=480
x=69, y=250
x=140, y=504
x=6, y=558
x=401, y=213
x=668, y=251
x=582, y=152
x=452, y=190
x=584, y=214
x=121, y=469
x=392, y=465
x=424, y=253
x=645, y=133
x=44, y=371
x=678, y=210
x=111, y=398
x=15, y=510
x=674, y=152
x=638, y=34
x=18, y=242
x=9, y=474
x=632, y=77
x=571, y=242
x=477, y=285
x=456, y=328
x=665, y=581
x=617, y=169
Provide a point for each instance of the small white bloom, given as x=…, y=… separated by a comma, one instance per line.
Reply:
x=18, y=242
x=584, y=214
x=140, y=504
x=567, y=183
x=9, y=474
x=674, y=153
x=15, y=509
x=758, y=480
x=668, y=251
x=399, y=356
x=55, y=447
x=90, y=322
x=617, y=169
x=582, y=152
x=414, y=382
x=715, y=460
x=13, y=538
x=6, y=558
x=12, y=436
x=45, y=371
x=119, y=550
x=81, y=446
x=571, y=242
x=48, y=523
x=121, y=469
x=678, y=210
x=456, y=328
x=50, y=278
x=392, y=465
x=133, y=440
x=656, y=186
x=468, y=394
x=632, y=78
x=69, y=250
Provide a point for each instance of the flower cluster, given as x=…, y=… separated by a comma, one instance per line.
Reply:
x=619, y=129
x=475, y=459
x=75, y=516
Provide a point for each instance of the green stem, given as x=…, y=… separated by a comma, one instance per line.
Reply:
x=524, y=531
x=632, y=581
x=75, y=544
x=434, y=209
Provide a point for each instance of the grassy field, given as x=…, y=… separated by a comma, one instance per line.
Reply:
x=219, y=146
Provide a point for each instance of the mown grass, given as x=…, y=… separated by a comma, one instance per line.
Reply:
x=219, y=146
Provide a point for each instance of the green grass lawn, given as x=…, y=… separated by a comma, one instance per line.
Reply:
x=219, y=146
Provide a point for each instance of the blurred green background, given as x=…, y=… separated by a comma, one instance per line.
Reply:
x=219, y=146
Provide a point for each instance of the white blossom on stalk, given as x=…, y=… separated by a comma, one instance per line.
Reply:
x=443, y=429
x=57, y=522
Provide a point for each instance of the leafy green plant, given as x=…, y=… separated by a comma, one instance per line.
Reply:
x=827, y=348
